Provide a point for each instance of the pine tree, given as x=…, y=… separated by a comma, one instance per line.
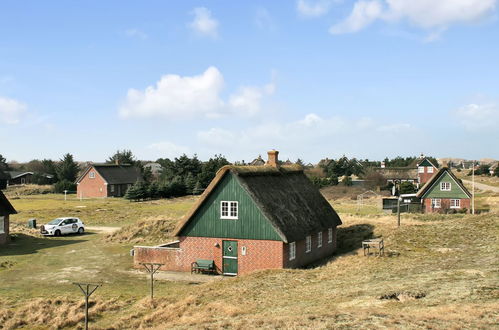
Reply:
x=198, y=189
x=67, y=168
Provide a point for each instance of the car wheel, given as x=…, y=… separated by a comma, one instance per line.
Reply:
x=57, y=233
x=81, y=230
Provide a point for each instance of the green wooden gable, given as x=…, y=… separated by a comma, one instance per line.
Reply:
x=426, y=162
x=435, y=192
x=251, y=223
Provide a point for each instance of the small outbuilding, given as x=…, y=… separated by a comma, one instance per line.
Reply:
x=6, y=209
x=107, y=180
x=444, y=192
x=251, y=218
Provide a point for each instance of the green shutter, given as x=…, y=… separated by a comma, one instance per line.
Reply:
x=251, y=223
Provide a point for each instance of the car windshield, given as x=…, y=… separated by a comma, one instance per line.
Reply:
x=55, y=221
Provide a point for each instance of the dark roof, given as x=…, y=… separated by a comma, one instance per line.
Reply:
x=116, y=174
x=257, y=161
x=5, y=206
x=435, y=177
x=403, y=173
x=17, y=174
x=4, y=175
x=286, y=197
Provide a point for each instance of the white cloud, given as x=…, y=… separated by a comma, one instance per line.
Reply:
x=426, y=14
x=248, y=100
x=203, y=23
x=177, y=97
x=169, y=149
x=363, y=14
x=479, y=116
x=264, y=20
x=307, y=8
x=136, y=33
x=11, y=110
x=174, y=96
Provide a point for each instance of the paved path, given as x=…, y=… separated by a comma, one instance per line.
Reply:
x=102, y=229
x=482, y=186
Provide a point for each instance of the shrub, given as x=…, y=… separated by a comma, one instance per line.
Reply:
x=62, y=185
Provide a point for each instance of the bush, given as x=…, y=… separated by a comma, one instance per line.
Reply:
x=62, y=185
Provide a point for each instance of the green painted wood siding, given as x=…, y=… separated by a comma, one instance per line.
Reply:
x=251, y=223
x=455, y=192
x=425, y=162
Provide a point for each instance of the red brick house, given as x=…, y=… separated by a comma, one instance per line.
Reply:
x=444, y=192
x=250, y=218
x=426, y=170
x=106, y=180
x=6, y=209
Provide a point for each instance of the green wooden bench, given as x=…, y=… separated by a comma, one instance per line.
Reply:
x=203, y=265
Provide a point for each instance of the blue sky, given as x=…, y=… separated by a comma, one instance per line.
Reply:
x=311, y=78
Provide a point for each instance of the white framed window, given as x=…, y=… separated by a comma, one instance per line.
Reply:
x=111, y=187
x=445, y=186
x=319, y=239
x=228, y=209
x=330, y=235
x=430, y=169
x=292, y=251
x=455, y=203
x=308, y=244
x=436, y=203
x=91, y=175
x=421, y=169
x=2, y=224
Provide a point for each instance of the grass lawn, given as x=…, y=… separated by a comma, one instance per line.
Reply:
x=438, y=272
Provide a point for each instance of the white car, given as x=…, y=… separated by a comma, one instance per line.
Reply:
x=63, y=226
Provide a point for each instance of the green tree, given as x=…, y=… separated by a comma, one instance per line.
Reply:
x=3, y=164
x=62, y=185
x=124, y=156
x=198, y=189
x=210, y=168
x=407, y=188
x=190, y=182
x=67, y=169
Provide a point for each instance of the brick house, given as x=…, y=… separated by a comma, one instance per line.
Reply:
x=6, y=209
x=444, y=192
x=250, y=218
x=106, y=180
x=426, y=170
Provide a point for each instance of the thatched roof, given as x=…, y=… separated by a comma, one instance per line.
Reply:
x=398, y=173
x=115, y=174
x=5, y=206
x=437, y=176
x=285, y=196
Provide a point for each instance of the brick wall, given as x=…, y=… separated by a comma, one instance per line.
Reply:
x=303, y=258
x=89, y=188
x=425, y=177
x=260, y=254
x=445, y=204
x=4, y=237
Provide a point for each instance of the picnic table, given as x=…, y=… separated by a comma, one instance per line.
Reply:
x=376, y=244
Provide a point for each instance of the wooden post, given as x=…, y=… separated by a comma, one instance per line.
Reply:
x=151, y=268
x=473, y=188
x=85, y=288
x=398, y=211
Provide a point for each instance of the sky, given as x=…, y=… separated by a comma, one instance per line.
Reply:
x=310, y=78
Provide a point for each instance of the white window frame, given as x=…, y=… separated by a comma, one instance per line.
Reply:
x=319, y=239
x=308, y=244
x=436, y=203
x=91, y=175
x=2, y=224
x=456, y=202
x=292, y=251
x=230, y=214
x=420, y=169
x=430, y=169
x=330, y=235
x=445, y=186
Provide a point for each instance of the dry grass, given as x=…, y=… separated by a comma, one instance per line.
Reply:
x=54, y=313
x=29, y=189
x=151, y=230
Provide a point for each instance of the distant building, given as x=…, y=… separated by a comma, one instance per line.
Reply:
x=417, y=173
x=19, y=177
x=107, y=180
x=251, y=218
x=6, y=209
x=155, y=168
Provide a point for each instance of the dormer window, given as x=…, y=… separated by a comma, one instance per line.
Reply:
x=229, y=210
x=445, y=186
x=91, y=175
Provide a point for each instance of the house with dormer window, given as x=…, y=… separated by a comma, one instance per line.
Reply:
x=250, y=218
